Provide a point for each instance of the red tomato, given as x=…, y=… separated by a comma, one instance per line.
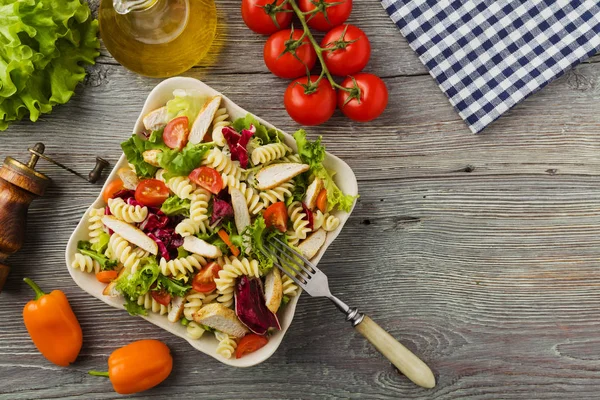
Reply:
x=352, y=57
x=111, y=189
x=276, y=216
x=161, y=296
x=151, y=192
x=106, y=276
x=176, y=133
x=208, y=178
x=282, y=62
x=373, y=98
x=256, y=16
x=322, y=201
x=249, y=344
x=204, y=281
x=310, y=109
x=336, y=15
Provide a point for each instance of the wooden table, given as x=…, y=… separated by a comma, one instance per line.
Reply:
x=480, y=253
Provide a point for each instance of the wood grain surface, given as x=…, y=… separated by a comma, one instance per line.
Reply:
x=479, y=253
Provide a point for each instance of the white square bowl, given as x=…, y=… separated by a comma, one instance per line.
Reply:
x=163, y=92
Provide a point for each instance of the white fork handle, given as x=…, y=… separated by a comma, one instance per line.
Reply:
x=409, y=364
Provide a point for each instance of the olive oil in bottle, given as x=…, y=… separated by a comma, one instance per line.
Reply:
x=158, y=38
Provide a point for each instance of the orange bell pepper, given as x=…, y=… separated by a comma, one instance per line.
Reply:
x=53, y=326
x=138, y=366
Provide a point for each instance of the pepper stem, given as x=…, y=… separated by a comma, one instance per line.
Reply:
x=99, y=373
x=35, y=287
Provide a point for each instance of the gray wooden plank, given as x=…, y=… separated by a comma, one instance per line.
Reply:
x=478, y=252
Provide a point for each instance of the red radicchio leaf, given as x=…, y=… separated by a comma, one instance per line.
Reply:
x=162, y=248
x=154, y=221
x=133, y=202
x=250, y=306
x=237, y=144
x=124, y=194
x=221, y=209
x=309, y=216
x=231, y=136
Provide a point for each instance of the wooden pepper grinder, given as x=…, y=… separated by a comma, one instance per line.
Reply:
x=20, y=184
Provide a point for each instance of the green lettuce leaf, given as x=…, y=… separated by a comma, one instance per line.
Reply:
x=178, y=163
x=185, y=103
x=133, y=148
x=175, y=162
x=133, y=308
x=313, y=154
x=172, y=286
x=176, y=206
x=262, y=135
x=101, y=243
x=44, y=48
x=137, y=284
x=86, y=248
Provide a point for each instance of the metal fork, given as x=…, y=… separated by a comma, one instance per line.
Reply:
x=315, y=283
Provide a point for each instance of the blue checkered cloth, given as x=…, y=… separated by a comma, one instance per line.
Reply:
x=487, y=55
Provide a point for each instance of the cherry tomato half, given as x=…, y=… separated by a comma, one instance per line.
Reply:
x=176, y=133
x=208, y=178
x=151, y=192
x=309, y=109
x=256, y=17
x=276, y=216
x=351, y=59
x=284, y=64
x=204, y=281
x=249, y=344
x=161, y=296
x=373, y=98
x=322, y=201
x=111, y=189
x=336, y=15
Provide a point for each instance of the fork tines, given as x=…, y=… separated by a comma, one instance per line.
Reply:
x=290, y=262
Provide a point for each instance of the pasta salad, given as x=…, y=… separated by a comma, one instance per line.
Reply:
x=183, y=228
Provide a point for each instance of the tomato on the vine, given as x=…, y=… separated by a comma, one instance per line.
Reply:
x=264, y=17
x=366, y=101
x=326, y=17
x=279, y=56
x=350, y=50
x=311, y=108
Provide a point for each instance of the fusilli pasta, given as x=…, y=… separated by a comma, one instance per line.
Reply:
x=291, y=158
x=220, y=121
x=253, y=200
x=278, y=193
x=289, y=287
x=149, y=303
x=227, y=344
x=181, y=186
x=269, y=152
x=85, y=263
x=195, y=300
x=96, y=227
x=228, y=275
x=122, y=251
x=326, y=221
x=189, y=227
x=179, y=268
x=300, y=227
x=218, y=160
x=194, y=330
x=127, y=212
x=199, y=205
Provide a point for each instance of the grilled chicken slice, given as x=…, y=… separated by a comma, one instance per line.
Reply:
x=200, y=247
x=276, y=174
x=204, y=119
x=130, y=233
x=221, y=318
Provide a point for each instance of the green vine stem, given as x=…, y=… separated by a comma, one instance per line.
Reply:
x=318, y=49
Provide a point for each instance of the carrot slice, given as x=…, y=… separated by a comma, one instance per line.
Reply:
x=225, y=237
